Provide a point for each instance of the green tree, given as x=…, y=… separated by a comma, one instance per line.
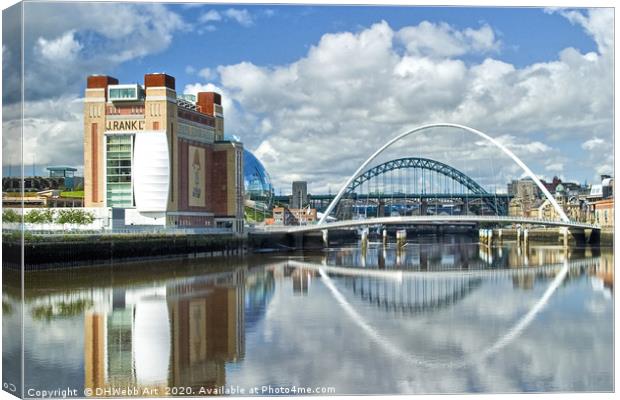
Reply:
x=10, y=216
x=39, y=216
x=75, y=216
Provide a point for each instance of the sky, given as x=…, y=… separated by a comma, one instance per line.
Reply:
x=312, y=91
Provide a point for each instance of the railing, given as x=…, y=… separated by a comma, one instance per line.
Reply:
x=429, y=218
x=74, y=229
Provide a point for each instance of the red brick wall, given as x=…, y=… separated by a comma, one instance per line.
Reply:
x=220, y=187
x=159, y=80
x=206, y=101
x=94, y=159
x=100, y=81
x=125, y=110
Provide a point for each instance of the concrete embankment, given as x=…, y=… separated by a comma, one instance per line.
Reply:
x=554, y=236
x=42, y=252
x=268, y=241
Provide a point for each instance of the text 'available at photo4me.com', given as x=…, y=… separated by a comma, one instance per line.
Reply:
x=135, y=391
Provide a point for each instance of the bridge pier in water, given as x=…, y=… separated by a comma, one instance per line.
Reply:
x=525, y=237
x=565, y=237
x=364, y=240
x=401, y=238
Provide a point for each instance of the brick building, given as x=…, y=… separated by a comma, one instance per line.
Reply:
x=160, y=157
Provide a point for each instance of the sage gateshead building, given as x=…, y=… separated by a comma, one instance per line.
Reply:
x=158, y=158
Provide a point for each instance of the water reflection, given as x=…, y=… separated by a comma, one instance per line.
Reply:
x=180, y=334
x=288, y=320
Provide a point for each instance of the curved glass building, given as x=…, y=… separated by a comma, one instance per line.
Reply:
x=257, y=181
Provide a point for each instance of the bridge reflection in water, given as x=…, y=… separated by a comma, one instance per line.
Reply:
x=158, y=327
x=412, y=296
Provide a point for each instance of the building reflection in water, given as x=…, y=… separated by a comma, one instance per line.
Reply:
x=207, y=326
x=181, y=334
x=603, y=273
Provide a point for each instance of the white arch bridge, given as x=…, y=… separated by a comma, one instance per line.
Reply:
x=323, y=225
x=428, y=220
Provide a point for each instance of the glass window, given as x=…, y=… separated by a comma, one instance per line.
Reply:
x=123, y=93
x=118, y=171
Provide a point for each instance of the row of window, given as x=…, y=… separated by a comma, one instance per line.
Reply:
x=118, y=179
x=123, y=93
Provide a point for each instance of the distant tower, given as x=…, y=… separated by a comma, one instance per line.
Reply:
x=300, y=194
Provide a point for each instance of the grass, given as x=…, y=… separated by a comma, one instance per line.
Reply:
x=254, y=216
x=76, y=193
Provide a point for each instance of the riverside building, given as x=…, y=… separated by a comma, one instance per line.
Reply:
x=158, y=158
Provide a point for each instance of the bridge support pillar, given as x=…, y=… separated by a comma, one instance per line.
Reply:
x=486, y=236
x=518, y=236
x=499, y=236
x=465, y=207
x=385, y=237
x=325, y=234
x=401, y=238
x=364, y=239
x=564, y=236
x=594, y=237
x=525, y=236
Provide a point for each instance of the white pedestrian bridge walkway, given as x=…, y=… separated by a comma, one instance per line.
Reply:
x=423, y=220
x=485, y=273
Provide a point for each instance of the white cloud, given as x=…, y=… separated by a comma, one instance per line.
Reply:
x=597, y=22
x=52, y=132
x=68, y=42
x=62, y=49
x=555, y=167
x=594, y=143
x=599, y=155
x=211, y=15
x=352, y=91
x=75, y=40
x=243, y=17
x=442, y=40
x=207, y=73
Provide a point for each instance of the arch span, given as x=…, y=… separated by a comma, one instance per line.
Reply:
x=488, y=138
x=429, y=165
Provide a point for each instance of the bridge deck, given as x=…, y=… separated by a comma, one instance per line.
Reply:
x=422, y=219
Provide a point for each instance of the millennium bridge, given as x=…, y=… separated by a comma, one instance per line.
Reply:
x=427, y=174
x=427, y=220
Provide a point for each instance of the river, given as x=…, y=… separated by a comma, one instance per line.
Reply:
x=441, y=315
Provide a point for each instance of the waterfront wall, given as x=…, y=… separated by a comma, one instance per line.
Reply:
x=270, y=241
x=552, y=236
x=68, y=252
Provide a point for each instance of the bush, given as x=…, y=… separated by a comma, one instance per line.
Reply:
x=10, y=216
x=80, y=217
x=36, y=216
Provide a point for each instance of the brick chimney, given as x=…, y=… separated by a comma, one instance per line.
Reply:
x=159, y=80
x=207, y=100
x=100, y=82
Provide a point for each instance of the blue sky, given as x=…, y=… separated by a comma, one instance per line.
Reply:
x=298, y=80
x=299, y=27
